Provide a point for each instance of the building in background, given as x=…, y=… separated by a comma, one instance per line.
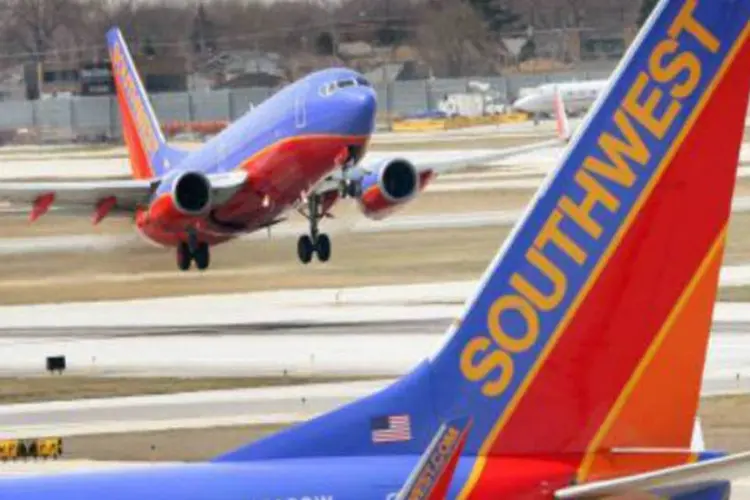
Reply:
x=52, y=79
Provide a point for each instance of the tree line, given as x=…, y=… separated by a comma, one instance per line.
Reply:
x=449, y=34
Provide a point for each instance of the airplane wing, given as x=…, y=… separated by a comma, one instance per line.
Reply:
x=678, y=478
x=434, y=167
x=431, y=477
x=128, y=193
x=122, y=196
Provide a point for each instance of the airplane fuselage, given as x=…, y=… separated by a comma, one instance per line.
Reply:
x=286, y=145
x=355, y=478
x=578, y=97
x=341, y=478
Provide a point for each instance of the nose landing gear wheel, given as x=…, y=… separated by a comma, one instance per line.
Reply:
x=305, y=249
x=323, y=248
x=184, y=257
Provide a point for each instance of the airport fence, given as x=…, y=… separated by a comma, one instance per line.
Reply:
x=96, y=119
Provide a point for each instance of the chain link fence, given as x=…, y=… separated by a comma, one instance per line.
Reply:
x=97, y=119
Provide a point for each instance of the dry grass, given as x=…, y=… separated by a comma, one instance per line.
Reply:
x=738, y=241
x=18, y=226
x=726, y=422
x=180, y=445
x=734, y=294
x=359, y=259
x=67, y=387
x=726, y=426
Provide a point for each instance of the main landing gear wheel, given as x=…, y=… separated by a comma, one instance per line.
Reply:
x=199, y=252
x=323, y=248
x=202, y=256
x=184, y=257
x=305, y=249
x=315, y=243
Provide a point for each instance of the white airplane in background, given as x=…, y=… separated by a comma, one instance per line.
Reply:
x=578, y=96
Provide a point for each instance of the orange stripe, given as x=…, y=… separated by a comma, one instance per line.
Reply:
x=701, y=286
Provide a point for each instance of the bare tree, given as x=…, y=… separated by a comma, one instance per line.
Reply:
x=31, y=25
x=455, y=41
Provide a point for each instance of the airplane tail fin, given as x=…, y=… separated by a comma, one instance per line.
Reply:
x=562, y=124
x=586, y=338
x=150, y=156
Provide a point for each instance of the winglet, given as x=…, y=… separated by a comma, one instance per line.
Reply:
x=561, y=117
x=432, y=476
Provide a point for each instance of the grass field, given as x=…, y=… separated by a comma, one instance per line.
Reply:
x=390, y=258
x=62, y=388
x=726, y=426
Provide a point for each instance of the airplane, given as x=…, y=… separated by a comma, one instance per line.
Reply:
x=578, y=97
x=579, y=358
x=300, y=149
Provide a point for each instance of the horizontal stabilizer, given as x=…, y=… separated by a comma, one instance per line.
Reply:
x=682, y=477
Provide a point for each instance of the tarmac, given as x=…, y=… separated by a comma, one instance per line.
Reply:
x=335, y=331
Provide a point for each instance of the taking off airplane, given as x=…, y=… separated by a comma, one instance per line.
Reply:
x=302, y=148
x=579, y=359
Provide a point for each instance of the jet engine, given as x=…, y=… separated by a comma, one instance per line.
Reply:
x=389, y=185
x=185, y=196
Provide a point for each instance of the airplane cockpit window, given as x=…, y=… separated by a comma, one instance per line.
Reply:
x=328, y=89
x=331, y=87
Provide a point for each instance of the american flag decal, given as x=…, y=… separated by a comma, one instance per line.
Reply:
x=391, y=429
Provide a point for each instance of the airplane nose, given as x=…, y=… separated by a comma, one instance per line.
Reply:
x=523, y=103
x=361, y=108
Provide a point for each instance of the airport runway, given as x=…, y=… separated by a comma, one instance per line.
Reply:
x=348, y=336
x=335, y=349
x=348, y=305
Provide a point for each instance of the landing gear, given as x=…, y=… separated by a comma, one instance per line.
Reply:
x=202, y=256
x=315, y=243
x=193, y=250
x=349, y=187
x=323, y=247
x=184, y=258
x=305, y=249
